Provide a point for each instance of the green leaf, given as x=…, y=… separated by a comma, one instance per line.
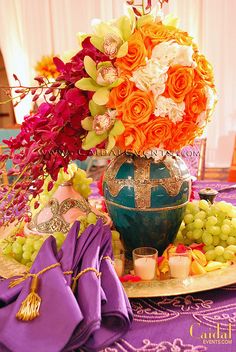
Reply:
x=96, y=109
x=116, y=83
x=123, y=50
x=101, y=96
x=111, y=143
x=92, y=139
x=125, y=27
x=90, y=67
x=97, y=42
x=87, y=123
x=117, y=129
x=87, y=84
x=144, y=20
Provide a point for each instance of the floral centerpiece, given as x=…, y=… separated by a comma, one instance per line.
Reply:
x=137, y=83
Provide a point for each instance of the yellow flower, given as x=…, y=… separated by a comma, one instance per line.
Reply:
x=46, y=67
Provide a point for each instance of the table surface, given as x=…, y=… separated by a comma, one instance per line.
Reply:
x=204, y=321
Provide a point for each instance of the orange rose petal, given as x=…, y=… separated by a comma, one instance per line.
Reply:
x=136, y=55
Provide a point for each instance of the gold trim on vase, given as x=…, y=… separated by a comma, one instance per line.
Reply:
x=141, y=182
x=147, y=209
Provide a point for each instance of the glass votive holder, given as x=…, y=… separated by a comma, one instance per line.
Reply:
x=145, y=261
x=119, y=264
x=179, y=264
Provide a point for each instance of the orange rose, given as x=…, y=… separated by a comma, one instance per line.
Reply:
x=132, y=140
x=120, y=93
x=158, y=132
x=137, y=107
x=185, y=132
x=136, y=55
x=195, y=101
x=155, y=33
x=179, y=82
x=204, y=69
x=182, y=38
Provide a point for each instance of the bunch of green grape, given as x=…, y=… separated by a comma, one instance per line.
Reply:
x=91, y=218
x=211, y=224
x=25, y=249
x=86, y=220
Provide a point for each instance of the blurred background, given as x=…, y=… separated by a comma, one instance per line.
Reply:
x=31, y=29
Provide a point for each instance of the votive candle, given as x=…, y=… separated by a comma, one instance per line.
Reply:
x=145, y=268
x=179, y=266
x=145, y=260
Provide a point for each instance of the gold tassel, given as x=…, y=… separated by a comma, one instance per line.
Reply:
x=29, y=308
x=18, y=281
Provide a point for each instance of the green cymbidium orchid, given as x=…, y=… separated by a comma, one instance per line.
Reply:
x=101, y=126
x=111, y=37
x=103, y=77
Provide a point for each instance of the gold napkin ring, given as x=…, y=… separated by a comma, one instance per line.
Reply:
x=108, y=258
x=76, y=278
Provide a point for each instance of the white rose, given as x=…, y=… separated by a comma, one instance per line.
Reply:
x=176, y=112
x=170, y=54
x=161, y=106
x=168, y=107
x=151, y=77
x=184, y=56
x=165, y=52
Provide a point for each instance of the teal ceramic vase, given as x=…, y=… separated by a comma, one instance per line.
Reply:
x=146, y=199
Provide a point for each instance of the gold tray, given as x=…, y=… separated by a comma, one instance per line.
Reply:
x=156, y=288
x=10, y=267
x=172, y=287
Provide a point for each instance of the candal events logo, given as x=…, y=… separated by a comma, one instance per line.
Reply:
x=217, y=335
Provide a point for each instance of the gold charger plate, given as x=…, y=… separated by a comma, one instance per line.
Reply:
x=156, y=288
x=172, y=287
x=10, y=267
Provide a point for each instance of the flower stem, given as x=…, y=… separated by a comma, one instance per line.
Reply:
x=14, y=183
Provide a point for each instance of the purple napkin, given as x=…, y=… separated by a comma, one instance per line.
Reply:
x=92, y=317
x=88, y=289
x=106, y=318
x=7, y=296
x=116, y=312
x=59, y=311
x=69, y=255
